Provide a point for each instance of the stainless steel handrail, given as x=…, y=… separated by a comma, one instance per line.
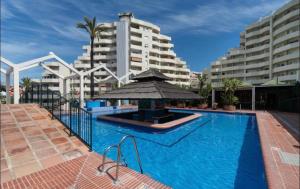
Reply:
x=101, y=167
x=119, y=154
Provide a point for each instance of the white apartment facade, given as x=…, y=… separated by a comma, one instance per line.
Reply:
x=269, y=49
x=132, y=45
x=53, y=81
x=194, y=79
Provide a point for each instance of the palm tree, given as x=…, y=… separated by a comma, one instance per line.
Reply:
x=93, y=29
x=26, y=81
x=230, y=86
x=202, y=79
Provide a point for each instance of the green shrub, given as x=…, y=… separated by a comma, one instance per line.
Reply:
x=230, y=86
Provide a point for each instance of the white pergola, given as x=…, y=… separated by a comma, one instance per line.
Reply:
x=15, y=69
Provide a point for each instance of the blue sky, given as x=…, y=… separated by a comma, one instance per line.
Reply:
x=201, y=30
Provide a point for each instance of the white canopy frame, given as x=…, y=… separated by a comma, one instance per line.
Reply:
x=16, y=68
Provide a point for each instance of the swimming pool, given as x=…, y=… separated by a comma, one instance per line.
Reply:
x=217, y=150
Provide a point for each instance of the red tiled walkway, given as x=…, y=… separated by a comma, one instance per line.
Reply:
x=275, y=139
x=82, y=173
x=32, y=141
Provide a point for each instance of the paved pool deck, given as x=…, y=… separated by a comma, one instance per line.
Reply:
x=36, y=152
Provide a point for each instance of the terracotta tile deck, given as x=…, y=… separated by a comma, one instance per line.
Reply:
x=31, y=141
x=37, y=153
x=276, y=139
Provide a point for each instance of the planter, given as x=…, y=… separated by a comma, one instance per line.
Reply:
x=202, y=106
x=215, y=106
x=180, y=106
x=229, y=107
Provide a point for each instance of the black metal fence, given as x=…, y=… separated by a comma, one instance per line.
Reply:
x=77, y=120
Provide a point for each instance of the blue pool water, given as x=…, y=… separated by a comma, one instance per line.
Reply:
x=217, y=150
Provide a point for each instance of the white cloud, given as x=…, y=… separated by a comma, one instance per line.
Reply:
x=16, y=51
x=71, y=32
x=5, y=12
x=48, y=15
x=217, y=17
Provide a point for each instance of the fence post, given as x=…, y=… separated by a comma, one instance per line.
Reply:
x=91, y=133
x=79, y=121
x=47, y=97
x=40, y=95
x=59, y=107
x=52, y=106
x=31, y=93
x=70, y=117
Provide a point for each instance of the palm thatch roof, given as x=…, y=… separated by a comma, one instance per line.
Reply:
x=150, y=84
x=151, y=74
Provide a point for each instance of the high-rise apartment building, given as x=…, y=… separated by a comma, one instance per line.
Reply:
x=132, y=45
x=53, y=81
x=269, y=49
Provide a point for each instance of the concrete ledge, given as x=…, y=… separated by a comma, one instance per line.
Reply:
x=158, y=126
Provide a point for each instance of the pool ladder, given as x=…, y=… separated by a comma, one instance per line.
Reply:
x=101, y=167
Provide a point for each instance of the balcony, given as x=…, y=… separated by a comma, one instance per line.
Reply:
x=136, y=47
x=259, y=48
x=136, y=55
x=286, y=37
x=105, y=57
x=285, y=27
x=286, y=47
x=50, y=80
x=136, y=59
x=293, y=55
x=154, y=58
x=258, y=40
x=168, y=60
x=287, y=16
x=105, y=49
x=257, y=73
x=235, y=75
x=134, y=30
x=82, y=65
x=288, y=78
x=287, y=68
x=104, y=41
x=256, y=81
x=234, y=60
x=169, y=52
x=255, y=57
x=257, y=32
x=155, y=66
x=166, y=45
x=134, y=38
x=257, y=65
x=231, y=68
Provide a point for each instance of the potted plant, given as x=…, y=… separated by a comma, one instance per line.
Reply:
x=205, y=92
x=229, y=99
x=214, y=105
